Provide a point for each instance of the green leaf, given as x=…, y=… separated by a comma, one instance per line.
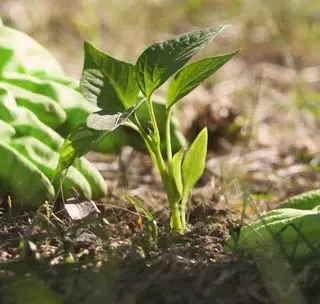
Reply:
x=108, y=82
x=22, y=179
x=194, y=161
x=295, y=224
x=46, y=109
x=85, y=137
x=76, y=107
x=45, y=159
x=161, y=60
x=77, y=144
x=293, y=229
x=108, y=122
x=7, y=131
x=21, y=54
x=192, y=75
x=176, y=170
x=304, y=201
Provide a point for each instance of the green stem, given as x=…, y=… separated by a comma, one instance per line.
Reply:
x=156, y=133
x=154, y=151
x=153, y=145
x=139, y=128
x=183, y=207
x=168, y=135
x=176, y=222
x=132, y=125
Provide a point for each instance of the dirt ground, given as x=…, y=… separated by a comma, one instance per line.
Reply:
x=113, y=261
x=264, y=146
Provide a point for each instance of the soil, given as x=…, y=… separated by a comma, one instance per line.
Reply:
x=113, y=259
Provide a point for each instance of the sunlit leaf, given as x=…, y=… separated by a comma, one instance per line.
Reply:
x=192, y=75
x=294, y=229
x=176, y=170
x=303, y=201
x=85, y=137
x=20, y=53
x=104, y=121
x=108, y=82
x=161, y=60
x=194, y=161
x=77, y=144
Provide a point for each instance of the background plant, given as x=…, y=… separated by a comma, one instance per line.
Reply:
x=38, y=105
x=119, y=88
x=292, y=228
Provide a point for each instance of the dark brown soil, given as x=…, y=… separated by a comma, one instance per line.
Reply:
x=114, y=261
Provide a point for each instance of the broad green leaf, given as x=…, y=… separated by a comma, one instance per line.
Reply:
x=108, y=82
x=25, y=122
x=176, y=170
x=85, y=137
x=7, y=131
x=22, y=179
x=73, y=103
x=77, y=144
x=45, y=159
x=46, y=109
x=108, y=122
x=93, y=176
x=189, y=77
x=194, y=161
x=293, y=229
x=304, y=201
x=19, y=53
x=161, y=60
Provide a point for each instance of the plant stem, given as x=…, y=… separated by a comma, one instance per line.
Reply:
x=168, y=134
x=183, y=206
x=153, y=145
x=156, y=133
x=177, y=225
x=153, y=149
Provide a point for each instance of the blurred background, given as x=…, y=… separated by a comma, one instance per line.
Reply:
x=263, y=107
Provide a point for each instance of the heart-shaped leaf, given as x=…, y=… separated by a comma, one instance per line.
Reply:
x=192, y=75
x=194, y=161
x=108, y=82
x=161, y=60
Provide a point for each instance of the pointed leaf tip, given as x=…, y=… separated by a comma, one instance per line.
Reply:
x=191, y=76
x=194, y=162
x=163, y=59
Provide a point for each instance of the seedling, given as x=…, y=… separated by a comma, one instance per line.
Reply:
x=119, y=88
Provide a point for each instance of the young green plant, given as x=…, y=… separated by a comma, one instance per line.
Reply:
x=119, y=88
